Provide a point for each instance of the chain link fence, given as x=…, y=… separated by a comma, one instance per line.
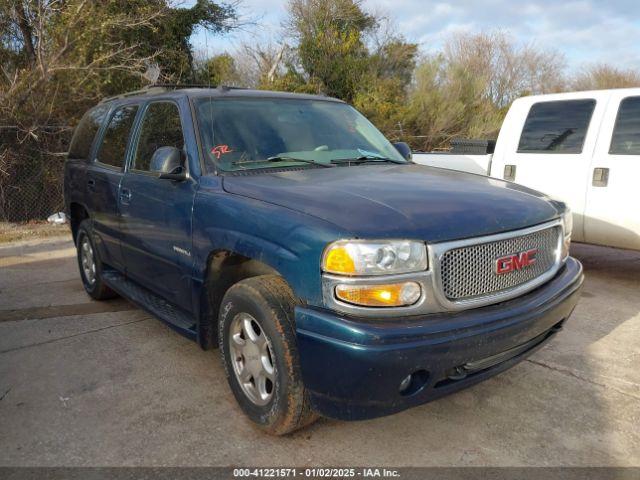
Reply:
x=31, y=172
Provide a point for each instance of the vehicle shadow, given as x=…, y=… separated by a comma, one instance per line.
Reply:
x=605, y=233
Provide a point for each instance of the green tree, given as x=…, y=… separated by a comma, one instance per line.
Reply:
x=340, y=50
x=219, y=70
x=445, y=102
x=57, y=57
x=330, y=46
x=382, y=92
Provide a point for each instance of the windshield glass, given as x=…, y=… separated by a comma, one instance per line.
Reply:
x=249, y=133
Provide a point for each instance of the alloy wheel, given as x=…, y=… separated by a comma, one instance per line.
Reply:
x=252, y=359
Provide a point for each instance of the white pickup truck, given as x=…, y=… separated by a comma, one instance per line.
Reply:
x=580, y=147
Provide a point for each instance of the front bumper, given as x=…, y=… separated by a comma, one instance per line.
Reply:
x=353, y=368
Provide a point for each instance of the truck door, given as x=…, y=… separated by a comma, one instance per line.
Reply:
x=553, y=150
x=104, y=175
x=613, y=193
x=156, y=213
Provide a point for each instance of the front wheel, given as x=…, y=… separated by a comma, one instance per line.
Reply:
x=258, y=347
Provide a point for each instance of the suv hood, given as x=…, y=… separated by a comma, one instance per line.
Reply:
x=400, y=201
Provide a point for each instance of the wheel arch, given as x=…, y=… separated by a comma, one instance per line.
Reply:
x=224, y=268
x=77, y=213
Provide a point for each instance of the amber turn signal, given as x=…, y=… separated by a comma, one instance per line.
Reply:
x=339, y=260
x=385, y=295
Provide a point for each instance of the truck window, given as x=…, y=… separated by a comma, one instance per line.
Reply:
x=556, y=127
x=161, y=127
x=626, y=133
x=114, y=143
x=86, y=130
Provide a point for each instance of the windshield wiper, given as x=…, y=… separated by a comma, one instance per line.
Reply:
x=366, y=159
x=283, y=158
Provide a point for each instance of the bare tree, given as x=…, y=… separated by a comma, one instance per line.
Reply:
x=258, y=64
x=509, y=70
x=602, y=76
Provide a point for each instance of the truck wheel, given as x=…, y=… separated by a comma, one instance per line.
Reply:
x=258, y=347
x=90, y=265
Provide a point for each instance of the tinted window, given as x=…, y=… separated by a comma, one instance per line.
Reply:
x=86, y=132
x=161, y=127
x=556, y=127
x=626, y=133
x=114, y=142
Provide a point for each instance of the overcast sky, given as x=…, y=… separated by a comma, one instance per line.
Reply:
x=585, y=31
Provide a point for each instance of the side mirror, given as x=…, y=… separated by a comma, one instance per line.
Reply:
x=404, y=149
x=167, y=161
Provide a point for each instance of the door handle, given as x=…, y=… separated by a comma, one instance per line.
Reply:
x=125, y=196
x=600, y=177
x=91, y=184
x=509, y=173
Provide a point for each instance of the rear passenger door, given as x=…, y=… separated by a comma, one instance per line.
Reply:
x=156, y=213
x=554, y=149
x=613, y=197
x=104, y=175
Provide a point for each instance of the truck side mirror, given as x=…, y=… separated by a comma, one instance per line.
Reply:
x=167, y=161
x=404, y=149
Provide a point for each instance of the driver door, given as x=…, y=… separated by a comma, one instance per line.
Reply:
x=156, y=213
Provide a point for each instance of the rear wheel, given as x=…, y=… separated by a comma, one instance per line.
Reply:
x=258, y=347
x=90, y=265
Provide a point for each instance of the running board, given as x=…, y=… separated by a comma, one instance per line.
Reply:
x=177, y=319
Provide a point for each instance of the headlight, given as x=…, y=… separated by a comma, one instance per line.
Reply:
x=360, y=257
x=567, y=225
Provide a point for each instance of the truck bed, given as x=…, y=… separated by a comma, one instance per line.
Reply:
x=479, y=164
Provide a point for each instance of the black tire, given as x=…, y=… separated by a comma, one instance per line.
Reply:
x=96, y=288
x=270, y=301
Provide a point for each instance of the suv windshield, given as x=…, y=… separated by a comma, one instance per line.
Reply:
x=249, y=133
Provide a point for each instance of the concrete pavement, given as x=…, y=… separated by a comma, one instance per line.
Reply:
x=88, y=383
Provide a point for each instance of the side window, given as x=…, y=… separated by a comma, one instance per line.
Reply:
x=626, y=133
x=114, y=143
x=556, y=127
x=161, y=127
x=85, y=132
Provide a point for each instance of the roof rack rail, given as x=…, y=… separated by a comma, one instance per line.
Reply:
x=177, y=86
x=142, y=91
x=196, y=85
x=162, y=87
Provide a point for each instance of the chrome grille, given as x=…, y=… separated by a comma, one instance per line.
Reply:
x=470, y=272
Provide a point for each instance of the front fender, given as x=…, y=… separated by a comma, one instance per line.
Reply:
x=288, y=241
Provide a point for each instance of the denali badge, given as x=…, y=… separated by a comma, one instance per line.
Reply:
x=181, y=251
x=517, y=261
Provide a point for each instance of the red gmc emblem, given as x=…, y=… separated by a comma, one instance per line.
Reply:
x=517, y=261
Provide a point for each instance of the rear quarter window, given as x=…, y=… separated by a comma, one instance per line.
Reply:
x=626, y=133
x=86, y=131
x=556, y=127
